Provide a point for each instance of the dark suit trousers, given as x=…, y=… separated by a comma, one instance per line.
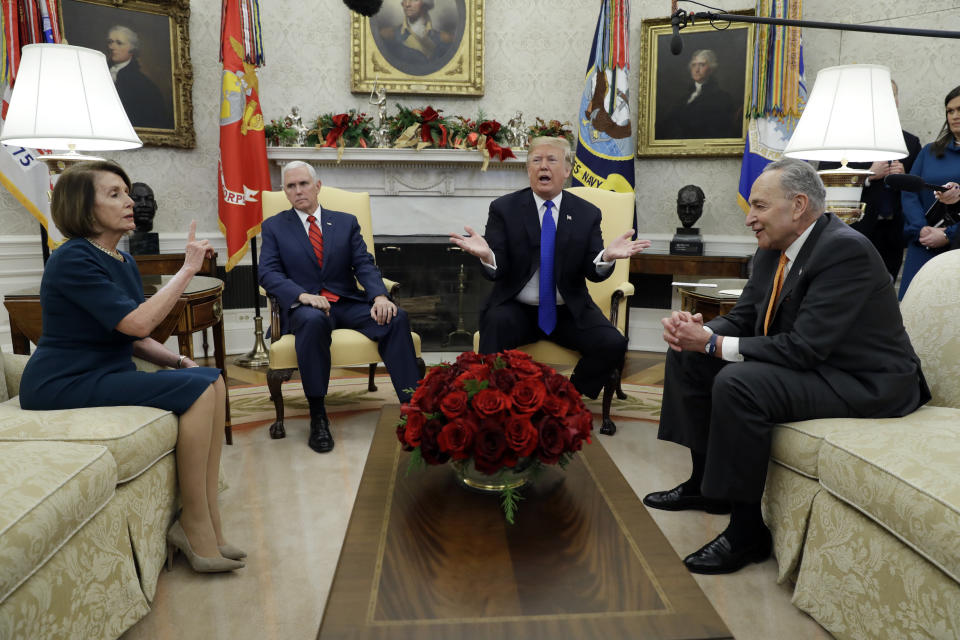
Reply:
x=602, y=348
x=313, y=329
x=727, y=411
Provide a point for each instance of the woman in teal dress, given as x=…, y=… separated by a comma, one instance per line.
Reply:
x=95, y=319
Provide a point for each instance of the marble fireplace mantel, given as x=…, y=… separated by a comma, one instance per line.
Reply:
x=427, y=192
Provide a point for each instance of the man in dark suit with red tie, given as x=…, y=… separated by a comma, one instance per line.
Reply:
x=311, y=261
x=541, y=246
x=816, y=333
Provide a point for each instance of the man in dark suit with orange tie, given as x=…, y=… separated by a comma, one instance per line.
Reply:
x=541, y=246
x=816, y=333
x=311, y=261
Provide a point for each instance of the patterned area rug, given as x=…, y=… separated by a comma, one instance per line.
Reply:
x=253, y=404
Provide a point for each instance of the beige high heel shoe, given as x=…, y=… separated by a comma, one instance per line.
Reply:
x=227, y=550
x=177, y=539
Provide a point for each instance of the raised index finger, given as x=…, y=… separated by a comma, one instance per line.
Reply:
x=193, y=231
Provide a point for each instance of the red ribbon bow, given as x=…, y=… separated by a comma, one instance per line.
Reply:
x=340, y=122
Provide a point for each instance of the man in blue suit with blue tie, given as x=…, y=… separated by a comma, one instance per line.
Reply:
x=311, y=261
x=542, y=244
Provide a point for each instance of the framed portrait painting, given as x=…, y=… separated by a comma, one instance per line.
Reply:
x=147, y=45
x=693, y=104
x=419, y=46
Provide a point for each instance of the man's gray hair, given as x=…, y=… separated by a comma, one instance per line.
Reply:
x=708, y=55
x=559, y=143
x=298, y=164
x=130, y=34
x=796, y=177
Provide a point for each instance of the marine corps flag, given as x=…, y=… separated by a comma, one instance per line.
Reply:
x=243, y=171
x=605, y=147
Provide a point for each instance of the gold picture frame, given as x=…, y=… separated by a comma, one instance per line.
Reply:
x=448, y=60
x=156, y=85
x=671, y=123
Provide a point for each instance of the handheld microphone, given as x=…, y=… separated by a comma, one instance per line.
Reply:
x=676, y=44
x=909, y=182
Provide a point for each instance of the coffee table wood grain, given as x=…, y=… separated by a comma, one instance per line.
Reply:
x=424, y=557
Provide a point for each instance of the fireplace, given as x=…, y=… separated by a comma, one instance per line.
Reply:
x=441, y=288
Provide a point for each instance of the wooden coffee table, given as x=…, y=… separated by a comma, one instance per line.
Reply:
x=424, y=557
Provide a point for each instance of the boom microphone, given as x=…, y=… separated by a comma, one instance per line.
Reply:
x=364, y=7
x=909, y=182
x=676, y=44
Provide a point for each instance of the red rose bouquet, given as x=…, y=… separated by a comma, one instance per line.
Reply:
x=501, y=412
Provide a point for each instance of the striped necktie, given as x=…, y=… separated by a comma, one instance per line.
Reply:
x=777, y=286
x=316, y=239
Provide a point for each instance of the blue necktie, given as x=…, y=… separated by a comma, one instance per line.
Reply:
x=547, y=315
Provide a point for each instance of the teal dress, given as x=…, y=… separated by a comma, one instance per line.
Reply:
x=82, y=360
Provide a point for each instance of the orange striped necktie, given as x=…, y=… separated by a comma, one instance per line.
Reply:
x=777, y=286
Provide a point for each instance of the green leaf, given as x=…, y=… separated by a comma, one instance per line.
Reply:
x=416, y=462
x=499, y=363
x=508, y=500
x=565, y=459
x=474, y=387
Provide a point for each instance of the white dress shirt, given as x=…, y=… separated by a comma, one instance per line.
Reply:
x=303, y=220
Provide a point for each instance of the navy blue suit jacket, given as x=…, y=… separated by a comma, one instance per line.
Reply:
x=288, y=265
x=513, y=233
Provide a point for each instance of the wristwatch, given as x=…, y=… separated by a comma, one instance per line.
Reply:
x=711, y=348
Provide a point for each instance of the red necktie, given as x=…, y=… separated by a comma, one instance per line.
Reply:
x=316, y=239
x=777, y=286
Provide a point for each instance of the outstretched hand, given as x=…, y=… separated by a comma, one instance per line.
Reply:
x=624, y=247
x=196, y=250
x=473, y=243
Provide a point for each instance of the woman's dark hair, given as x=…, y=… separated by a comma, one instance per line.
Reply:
x=73, y=197
x=940, y=144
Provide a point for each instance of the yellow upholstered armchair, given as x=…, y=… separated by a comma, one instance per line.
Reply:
x=348, y=348
x=610, y=295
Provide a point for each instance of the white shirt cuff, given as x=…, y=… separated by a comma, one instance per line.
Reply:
x=730, y=348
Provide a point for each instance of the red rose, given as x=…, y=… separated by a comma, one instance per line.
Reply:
x=490, y=402
x=432, y=454
x=521, y=435
x=480, y=371
x=456, y=438
x=556, y=406
x=552, y=440
x=513, y=356
x=489, y=445
x=489, y=127
x=454, y=404
x=472, y=138
x=525, y=369
x=528, y=395
x=503, y=379
x=556, y=384
x=412, y=434
x=573, y=432
x=468, y=358
x=429, y=115
x=401, y=429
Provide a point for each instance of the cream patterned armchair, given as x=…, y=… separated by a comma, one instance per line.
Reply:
x=610, y=295
x=348, y=348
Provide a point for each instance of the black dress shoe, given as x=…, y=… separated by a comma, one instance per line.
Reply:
x=682, y=499
x=320, y=439
x=719, y=555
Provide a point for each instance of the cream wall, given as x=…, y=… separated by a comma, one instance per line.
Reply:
x=535, y=54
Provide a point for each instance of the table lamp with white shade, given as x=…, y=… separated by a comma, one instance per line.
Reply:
x=850, y=116
x=65, y=99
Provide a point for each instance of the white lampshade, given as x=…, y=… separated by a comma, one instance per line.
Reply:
x=64, y=98
x=850, y=116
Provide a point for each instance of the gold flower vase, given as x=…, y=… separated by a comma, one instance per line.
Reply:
x=507, y=478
